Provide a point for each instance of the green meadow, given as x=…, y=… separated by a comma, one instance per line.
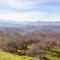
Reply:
x=9, y=56
x=51, y=55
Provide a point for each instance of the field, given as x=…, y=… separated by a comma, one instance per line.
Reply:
x=48, y=55
x=54, y=54
x=8, y=56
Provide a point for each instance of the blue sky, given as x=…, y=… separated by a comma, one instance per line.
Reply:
x=30, y=10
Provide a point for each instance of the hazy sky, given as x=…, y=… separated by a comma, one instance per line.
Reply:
x=30, y=10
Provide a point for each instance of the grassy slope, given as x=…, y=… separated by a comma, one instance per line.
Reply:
x=8, y=56
x=53, y=55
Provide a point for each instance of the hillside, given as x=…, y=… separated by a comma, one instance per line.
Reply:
x=29, y=26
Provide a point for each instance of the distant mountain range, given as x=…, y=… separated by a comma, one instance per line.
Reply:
x=30, y=26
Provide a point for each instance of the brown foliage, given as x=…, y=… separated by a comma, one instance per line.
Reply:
x=37, y=42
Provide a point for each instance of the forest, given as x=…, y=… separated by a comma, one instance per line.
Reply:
x=33, y=46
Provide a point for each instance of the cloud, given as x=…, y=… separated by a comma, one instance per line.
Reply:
x=32, y=10
x=53, y=3
x=27, y=16
x=30, y=16
x=21, y=3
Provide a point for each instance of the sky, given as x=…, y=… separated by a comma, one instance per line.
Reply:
x=30, y=10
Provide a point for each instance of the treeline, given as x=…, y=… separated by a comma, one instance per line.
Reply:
x=31, y=44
